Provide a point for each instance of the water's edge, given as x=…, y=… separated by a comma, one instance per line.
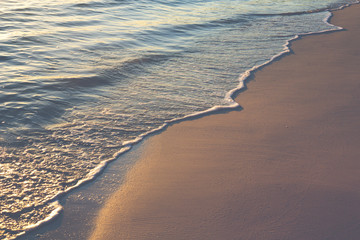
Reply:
x=34, y=231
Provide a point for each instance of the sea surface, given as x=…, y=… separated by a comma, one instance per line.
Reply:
x=81, y=81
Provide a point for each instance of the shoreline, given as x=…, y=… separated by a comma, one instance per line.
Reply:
x=136, y=188
x=53, y=229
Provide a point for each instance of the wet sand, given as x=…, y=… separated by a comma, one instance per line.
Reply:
x=284, y=167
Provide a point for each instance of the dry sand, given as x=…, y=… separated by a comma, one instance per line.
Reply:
x=285, y=167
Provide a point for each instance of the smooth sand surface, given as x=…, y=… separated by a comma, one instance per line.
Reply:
x=285, y=167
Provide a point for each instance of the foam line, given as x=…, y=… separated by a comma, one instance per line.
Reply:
x=57, y=210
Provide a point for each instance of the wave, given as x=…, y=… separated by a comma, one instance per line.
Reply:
x=335, y=7
x=100, y=4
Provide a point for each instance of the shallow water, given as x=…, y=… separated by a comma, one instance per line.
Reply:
x=80, y=80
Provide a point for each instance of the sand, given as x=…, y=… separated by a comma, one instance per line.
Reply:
x=287, y=166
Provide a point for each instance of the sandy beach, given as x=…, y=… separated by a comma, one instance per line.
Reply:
x=284, y=167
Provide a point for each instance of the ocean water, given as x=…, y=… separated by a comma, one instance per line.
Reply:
x=81, y=81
